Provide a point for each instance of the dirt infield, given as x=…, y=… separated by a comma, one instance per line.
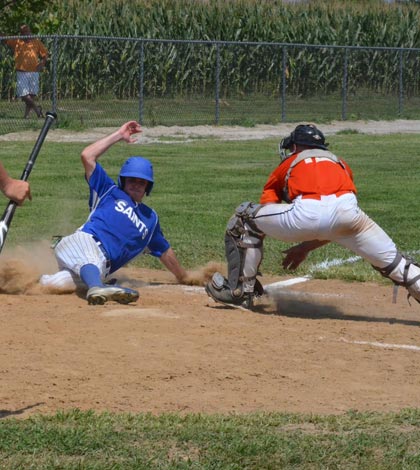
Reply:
x=178, y=134
x=315, y=347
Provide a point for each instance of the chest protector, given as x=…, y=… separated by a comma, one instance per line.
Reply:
x=310, y=153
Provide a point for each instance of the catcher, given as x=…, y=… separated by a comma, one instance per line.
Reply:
x=120, y=227
x=320, y=206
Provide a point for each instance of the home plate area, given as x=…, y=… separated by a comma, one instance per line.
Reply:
x=319, y=346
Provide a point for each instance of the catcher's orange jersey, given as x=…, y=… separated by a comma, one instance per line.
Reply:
x=310, y=178
x=27, y=53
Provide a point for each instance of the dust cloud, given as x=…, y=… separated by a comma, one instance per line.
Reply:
x=21, y=267
x=201, y=275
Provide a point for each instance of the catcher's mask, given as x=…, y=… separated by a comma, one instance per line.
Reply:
x=137, y=167
x=304, y=134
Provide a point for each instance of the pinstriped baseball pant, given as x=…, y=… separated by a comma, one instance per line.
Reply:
x=73, y=252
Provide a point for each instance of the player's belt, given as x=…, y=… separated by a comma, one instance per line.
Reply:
x=318, y=196
x=102, y=248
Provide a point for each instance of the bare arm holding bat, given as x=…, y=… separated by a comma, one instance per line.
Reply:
x=16, y=190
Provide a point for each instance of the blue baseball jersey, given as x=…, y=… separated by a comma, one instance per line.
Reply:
x=124, y=228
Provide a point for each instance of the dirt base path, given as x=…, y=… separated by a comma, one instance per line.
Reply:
x=179, y=134
x=315, y=347
x=324, y=347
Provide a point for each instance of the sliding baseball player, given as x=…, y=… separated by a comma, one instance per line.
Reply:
x=120, y=227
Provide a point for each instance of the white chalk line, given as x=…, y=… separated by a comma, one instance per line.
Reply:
x=287, y=283
x=378, y=344
x=280, y=284
x=176, y=286
x=322, y=266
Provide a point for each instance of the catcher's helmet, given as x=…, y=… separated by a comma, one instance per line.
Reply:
x=137, y=167
x=304, y=134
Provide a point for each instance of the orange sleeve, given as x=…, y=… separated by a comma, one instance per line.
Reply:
x=272, y=191
x=350, y=173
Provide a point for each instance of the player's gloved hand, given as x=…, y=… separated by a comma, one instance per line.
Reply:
x=294, y=256
x=298, y=253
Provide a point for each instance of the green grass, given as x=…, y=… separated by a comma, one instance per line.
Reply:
x=247, y=111
x=199, y=184
x=197, y=187
x=263, y=441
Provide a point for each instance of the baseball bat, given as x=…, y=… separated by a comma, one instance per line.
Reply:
x=8, y=214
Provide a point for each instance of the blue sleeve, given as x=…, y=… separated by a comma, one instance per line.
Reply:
x=99, y=183
x=158, y=243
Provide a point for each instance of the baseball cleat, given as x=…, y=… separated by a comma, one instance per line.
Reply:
x=100, y=295
x=219, y=291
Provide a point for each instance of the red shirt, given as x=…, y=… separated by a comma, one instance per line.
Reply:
x=310, y=178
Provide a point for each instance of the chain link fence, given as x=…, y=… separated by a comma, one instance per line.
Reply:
x=103, y=81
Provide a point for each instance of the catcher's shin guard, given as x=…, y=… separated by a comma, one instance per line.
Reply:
x=243, y=248
x=404, y=271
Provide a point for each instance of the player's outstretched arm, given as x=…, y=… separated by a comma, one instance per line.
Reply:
x=92, y=152
x=170, y=261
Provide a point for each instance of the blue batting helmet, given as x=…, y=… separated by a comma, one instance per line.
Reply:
x=137, y=167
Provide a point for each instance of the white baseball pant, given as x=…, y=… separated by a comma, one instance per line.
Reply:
x=73, y=252
x=338, y=219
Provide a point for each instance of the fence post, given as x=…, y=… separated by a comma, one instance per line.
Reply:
x=344, y=90
x=141, y=83
x=401, y=83
x=283, y=84
x=54, y=75
x=217, y=91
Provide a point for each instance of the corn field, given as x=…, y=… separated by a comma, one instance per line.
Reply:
x=250, y=62
x=367, y=23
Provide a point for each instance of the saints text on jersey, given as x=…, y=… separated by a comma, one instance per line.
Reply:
x=121, y=206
